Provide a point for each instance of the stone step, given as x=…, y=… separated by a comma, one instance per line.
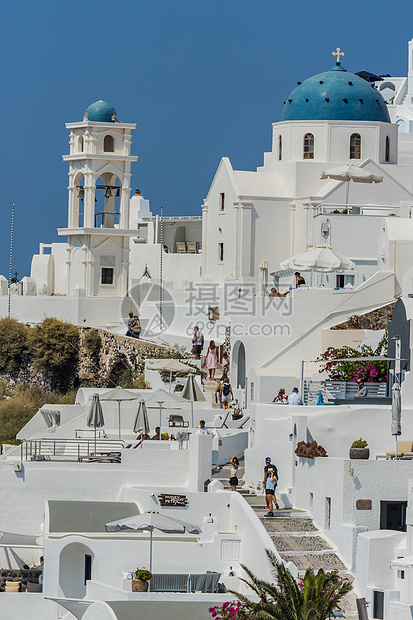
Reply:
x=315, y=561
x=288, y=524
x=300, y=544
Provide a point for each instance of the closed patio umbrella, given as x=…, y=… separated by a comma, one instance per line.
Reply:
x=95, y=416
x=263, y=278
x=141, y=421
x=149, y=521
x=118, y=395
x=396, y=412
x=192, y=392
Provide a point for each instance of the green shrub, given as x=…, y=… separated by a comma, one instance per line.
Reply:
x=92, y=341
x=13, y=344
x=54, y=346
x=140, y=383
x=359, y=443
x=18, y=410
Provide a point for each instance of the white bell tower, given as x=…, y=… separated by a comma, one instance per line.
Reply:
x=98, y=213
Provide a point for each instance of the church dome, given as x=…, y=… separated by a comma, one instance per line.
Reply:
x=101, y=112
x=335, y=95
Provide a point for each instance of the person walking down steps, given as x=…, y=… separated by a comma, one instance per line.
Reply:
x=270, y=483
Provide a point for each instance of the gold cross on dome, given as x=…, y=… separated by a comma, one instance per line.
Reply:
x=338, y=53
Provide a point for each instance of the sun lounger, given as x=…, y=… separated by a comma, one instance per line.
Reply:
x=404, y=449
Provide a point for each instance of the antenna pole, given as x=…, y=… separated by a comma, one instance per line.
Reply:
x=11, y=259
x=160, y=276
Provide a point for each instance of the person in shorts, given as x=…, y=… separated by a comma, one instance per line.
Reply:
x=197, y=342
x=270, y=484
x=226, y=394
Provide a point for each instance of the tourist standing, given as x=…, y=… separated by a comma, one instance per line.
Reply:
x=226, y=393
x=270, y=483
x=211, y=360
x=197, y=342
x=233, y=478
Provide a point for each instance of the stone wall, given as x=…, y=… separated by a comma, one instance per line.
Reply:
x=377, y=319
x=117, y=354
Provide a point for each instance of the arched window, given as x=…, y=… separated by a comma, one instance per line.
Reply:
x=355, y=146
x=280, y=147
x=108, y=146
x=308, y=146
x=387, y=153
x=80, y=144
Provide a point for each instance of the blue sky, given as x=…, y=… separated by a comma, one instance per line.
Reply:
x=202, y=80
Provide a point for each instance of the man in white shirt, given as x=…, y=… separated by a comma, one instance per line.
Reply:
x=295, y=398
x=202, y=430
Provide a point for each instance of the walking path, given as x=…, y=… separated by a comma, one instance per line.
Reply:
x=295, y=536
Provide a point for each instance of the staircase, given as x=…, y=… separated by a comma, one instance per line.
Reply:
x=295, y=537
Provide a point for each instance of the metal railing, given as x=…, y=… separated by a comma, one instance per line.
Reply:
x=70, y=449
x=355, y=209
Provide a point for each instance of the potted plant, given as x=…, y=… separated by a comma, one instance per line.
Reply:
x=140, y=583
x=359, y=449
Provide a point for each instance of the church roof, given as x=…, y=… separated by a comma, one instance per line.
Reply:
x=335, y=95
x=101, y=112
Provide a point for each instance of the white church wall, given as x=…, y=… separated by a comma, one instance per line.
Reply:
x=222, y=226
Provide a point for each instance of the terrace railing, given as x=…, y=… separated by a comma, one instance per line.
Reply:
x=71, y=450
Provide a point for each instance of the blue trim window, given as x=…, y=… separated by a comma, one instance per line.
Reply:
x=355, y=146
x=308, y=146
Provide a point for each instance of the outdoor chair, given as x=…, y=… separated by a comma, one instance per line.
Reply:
x=191, y=247
x=180, y=247
x=211, y=585
x=178, y=420
x=198, y=583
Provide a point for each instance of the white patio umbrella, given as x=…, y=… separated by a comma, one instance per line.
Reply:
x=396, y=412
x=118, y=395
x=141, y=424
x=350, y=172
x=171, y=365
x=321, y=258
x=149, y=521
x=193, y=393
x=263, y=278
x=161, y=397
x=95, y=416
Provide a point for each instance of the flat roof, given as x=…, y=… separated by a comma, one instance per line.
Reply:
x=83, y=516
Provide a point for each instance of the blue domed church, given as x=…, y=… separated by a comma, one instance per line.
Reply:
x=334, y=120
